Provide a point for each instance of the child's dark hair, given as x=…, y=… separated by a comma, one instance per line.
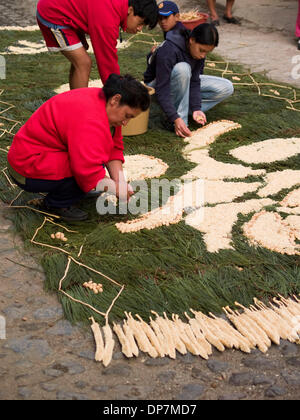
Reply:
x=133, y=93
x=146, y=9
x=205, y=33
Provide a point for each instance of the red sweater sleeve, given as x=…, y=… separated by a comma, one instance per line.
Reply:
x=104, y=22
x=89, y=149
x=104, y=40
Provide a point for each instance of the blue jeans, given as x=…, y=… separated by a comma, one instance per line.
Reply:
x=213, y=90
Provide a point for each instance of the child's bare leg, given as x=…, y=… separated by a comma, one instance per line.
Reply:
x=211, y=4
x=228, y=10
x=81, y=65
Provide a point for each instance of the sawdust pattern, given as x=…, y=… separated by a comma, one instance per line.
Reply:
x=66, y=87
x=268, y=151
x=277, y=181
x=269, y=230
x=139, y=167
x=209, y=168
x=258, y=326
x=218, y=222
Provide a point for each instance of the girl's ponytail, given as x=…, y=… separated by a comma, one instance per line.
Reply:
x=206, y=34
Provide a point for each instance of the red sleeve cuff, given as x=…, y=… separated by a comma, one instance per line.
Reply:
x=91, y=181
x=117, y=154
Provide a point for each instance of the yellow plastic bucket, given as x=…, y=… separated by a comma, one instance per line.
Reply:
x=139, y=124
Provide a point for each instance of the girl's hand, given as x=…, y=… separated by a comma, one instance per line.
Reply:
x=181, y=128
x=199, y=117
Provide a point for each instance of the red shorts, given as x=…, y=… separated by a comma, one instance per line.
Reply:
x=66, y=39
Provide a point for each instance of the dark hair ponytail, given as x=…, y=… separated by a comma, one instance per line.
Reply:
x=133, y=93
x=205, y=33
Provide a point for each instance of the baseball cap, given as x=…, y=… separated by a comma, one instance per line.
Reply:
x=167, y=8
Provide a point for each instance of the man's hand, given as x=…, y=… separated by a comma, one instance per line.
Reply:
x=181, y=128
x=199, y=117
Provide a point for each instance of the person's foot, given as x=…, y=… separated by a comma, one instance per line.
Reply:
x=298, y=43
x=69, y=214
x=232, y=20
x=214, y=19
x=215, y=22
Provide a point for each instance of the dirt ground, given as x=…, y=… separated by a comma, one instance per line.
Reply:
x=44, y=357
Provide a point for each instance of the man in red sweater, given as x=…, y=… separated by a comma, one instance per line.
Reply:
x=66, y=144
x=64, y=24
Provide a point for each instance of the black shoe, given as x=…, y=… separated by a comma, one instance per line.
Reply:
x=69, y=214
x=232, y=20
x=216, y=22
x=298, y=43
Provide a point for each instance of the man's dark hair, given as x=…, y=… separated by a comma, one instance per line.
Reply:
x=205, y=33
x=146, y=9
x=133, y=93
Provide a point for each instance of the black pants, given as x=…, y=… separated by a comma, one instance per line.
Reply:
x=62, y=193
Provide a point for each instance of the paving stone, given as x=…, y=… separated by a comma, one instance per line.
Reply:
x=62, y=328
x=191, y=392
x=55, y=373
x=157, y=362
x=25, y=392
x=241, y=378
x=121, y=370
x=14, y=311
x=188, y=358
x=33, y=300
x=294, y=361
x=166, y=376
x=263, y=380
x=81, y=384
x=86, y=354
x=118, y=356
x=289, y=349
x=25, y=364
x=199, y=374
x=216, y=366
x=72, y=367
x=71, y=396
x=291, y=378
x=232, y=397
x=30, y=326
x=49, y=386
x=275, y=391
x=101, y=388
x=34, y=347
x=3, y=372
x=259, y=362
x=48, y=313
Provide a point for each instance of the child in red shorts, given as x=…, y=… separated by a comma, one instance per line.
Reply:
x=64, y=24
